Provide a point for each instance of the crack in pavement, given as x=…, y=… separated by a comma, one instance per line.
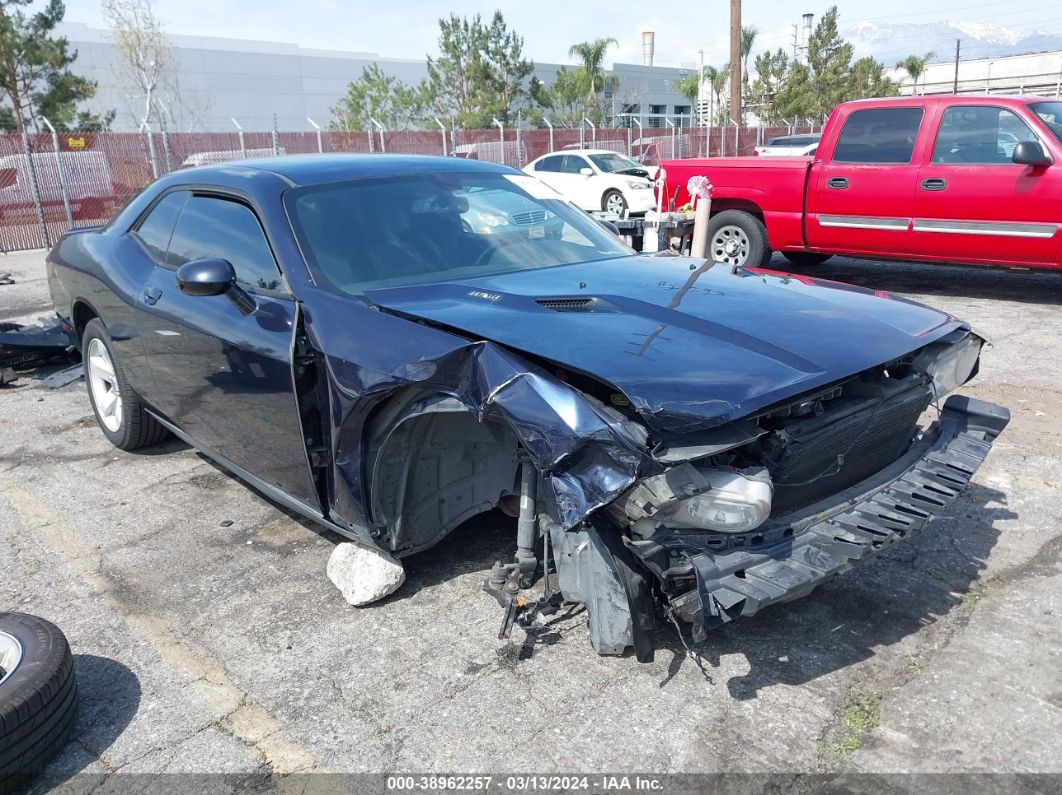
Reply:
x=256, y=727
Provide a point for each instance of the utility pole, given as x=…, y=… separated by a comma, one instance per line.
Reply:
x=955, y=82
x=700, y=90
x=735, y=61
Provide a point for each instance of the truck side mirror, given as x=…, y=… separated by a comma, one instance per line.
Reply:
x=1030, y=153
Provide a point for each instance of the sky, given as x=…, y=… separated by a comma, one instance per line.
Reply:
x=409, y=28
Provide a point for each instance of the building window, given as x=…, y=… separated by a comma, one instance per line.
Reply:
x=682, y=115
x=629, y=113
x=656, y=115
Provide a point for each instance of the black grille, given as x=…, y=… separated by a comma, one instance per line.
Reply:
x=529, y=217
x=568, y=304
x=825, y=456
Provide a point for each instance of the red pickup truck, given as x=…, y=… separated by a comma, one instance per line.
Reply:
x=974, y=179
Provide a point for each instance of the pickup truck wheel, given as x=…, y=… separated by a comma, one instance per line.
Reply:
x=119, y=412
x=805, y=259
x=739, y=239
x=613, y=202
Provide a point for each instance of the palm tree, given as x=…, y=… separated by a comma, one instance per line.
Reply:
x=748, y=38
x=592, y=54
x=915, y=67
x=717, y=79
x=690, y=87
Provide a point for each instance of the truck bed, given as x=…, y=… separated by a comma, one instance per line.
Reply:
x=749, y=183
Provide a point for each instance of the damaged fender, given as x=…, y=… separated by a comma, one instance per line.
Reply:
x=586, y=454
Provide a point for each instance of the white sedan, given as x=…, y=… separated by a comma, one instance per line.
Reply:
x=596, y=180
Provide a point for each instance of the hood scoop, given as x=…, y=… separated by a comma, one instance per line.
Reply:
x=568, y=304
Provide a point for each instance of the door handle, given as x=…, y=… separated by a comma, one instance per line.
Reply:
x=934, y=183
x=837, y=183
x=151, y=295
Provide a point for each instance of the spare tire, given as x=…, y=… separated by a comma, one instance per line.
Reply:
x=38, y=696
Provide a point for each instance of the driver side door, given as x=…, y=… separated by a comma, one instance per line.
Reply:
x=225, y=377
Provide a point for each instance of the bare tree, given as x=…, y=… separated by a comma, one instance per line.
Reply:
x=146, y=58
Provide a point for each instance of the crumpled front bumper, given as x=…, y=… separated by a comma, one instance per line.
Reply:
x=834, y=535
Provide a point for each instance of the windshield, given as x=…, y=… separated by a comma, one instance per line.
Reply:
x=1051, y=115
x=426, y=228
x=612, y=163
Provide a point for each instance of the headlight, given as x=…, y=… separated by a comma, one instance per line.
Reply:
x=633, y=185
x=724, y=500
x=492, y=219
x=950, y=363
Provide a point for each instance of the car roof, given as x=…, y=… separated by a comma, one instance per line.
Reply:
x=314, y=169
x=582, y=152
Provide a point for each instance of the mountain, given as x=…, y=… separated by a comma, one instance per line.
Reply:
x=892, y=42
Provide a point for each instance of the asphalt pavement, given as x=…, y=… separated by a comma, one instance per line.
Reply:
x=208, y=640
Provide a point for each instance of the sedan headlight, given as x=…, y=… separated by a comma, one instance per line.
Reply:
x=724, y=500
x=636, y=185
x=492, y=219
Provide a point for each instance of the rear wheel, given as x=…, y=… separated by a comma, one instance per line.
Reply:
x=613, y=202
x=805, y=259
x=118, y=409
x=738, y=239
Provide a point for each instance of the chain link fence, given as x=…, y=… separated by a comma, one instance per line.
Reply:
x=52, y=181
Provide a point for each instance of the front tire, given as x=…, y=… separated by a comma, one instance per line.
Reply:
x=118, y=409
x=805, y=259
x=738, y=239
x=38, y=696
x=614, y=202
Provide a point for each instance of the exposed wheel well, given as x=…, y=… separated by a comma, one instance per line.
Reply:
x=80, y=315
x=431, y=464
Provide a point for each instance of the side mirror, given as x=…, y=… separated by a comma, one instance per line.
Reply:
x=206, y=277
x=611, y=227
x=1030, y=153
x=586, y=171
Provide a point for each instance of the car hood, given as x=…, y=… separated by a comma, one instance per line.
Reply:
x=691, y=345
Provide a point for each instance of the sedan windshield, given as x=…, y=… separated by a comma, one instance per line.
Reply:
x=1051, y=114
x=426, y=228
x=615, y=163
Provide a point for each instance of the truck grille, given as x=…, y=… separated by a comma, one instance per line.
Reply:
x=823, y=457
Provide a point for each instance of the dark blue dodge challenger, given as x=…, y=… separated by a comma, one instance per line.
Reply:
x=390, y=345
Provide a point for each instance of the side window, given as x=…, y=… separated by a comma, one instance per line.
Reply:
x=155, y=230
x=553, y=163
x=979, y=135
x=213, y=227
x=879, y=135
x=572, y=164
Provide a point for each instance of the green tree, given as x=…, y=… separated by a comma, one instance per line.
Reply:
x=772, y=71
x=480, y=73
x=34, y=68
x=595, y=78
x=830, y=65
x=915, y=66
x=717, y=82
x=869, y=80
x=564, y=99
x=690, y=87
x=376, y=95
x=748, y=39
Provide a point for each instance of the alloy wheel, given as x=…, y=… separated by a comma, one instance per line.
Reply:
x=99, y=370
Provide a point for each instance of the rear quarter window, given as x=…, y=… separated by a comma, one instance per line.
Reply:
x=155, y=230
x=879, y=135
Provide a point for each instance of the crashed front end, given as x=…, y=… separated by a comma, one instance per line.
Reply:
x=766, y=508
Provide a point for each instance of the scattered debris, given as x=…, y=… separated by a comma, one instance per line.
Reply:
x=7, y=278
x=364, y=575
x=226, y=523
x=61, y=378
x=26, y=347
